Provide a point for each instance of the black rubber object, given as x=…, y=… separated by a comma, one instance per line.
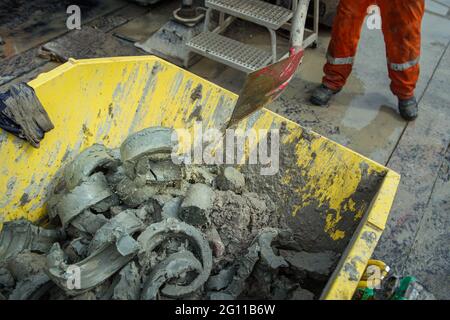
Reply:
x=409, y=109
x=321, y=95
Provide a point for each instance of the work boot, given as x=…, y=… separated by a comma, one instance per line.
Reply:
x=409, y=109
x=322, y=95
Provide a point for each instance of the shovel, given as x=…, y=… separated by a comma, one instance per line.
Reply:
x=265, y=85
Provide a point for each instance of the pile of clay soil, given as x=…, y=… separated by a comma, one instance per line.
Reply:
x=135, y=223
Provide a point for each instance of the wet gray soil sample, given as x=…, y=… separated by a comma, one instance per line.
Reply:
x=134, y=225
x=309, y=229
x=239, y=217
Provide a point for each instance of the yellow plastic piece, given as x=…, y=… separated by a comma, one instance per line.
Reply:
x=368, y=277
x=104, y=100
x=382, y=267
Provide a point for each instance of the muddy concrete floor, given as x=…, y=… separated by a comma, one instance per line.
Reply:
x=362, y=117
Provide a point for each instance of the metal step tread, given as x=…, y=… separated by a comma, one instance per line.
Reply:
x=228, y=51
x=256, y=11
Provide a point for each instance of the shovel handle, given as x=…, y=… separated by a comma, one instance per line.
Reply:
x=298, y=25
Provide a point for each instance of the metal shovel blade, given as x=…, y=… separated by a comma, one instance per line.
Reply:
x=264, y=86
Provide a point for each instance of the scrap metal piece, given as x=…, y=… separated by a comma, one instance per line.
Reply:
x=19, y=235
x=115, y=230
x=244, y=270
x=171, y=208
x=32, y=288
x=147, y=213
x=129, y=220
x=106, y=204
x=259, y=250
x=157, y=171
x=157, y=233
x=89, y=222
x=91, y=160
x=114, y=211
x=6, y=278
x=265, y=239
x=74, y=233
x=162, y=199
x=77, y=249
x=134, y=195
x=82, y=276
x=154, y=140
x=221, y=280
x=196, y=205
x=111, y=248
x=129, y=283
x=26, y=264
x=115, y=176
x=126, y=245
x=82, y=197
x=142, y=169
x=174, y=266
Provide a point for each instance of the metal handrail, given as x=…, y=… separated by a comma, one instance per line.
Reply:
x=298, y=25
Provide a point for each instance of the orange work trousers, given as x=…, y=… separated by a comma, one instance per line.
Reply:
x=401, y=26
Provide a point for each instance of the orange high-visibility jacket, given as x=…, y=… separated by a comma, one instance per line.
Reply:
x=401, y=26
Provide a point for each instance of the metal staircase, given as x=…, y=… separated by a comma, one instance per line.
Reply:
x=238, y=55
x=230, y=52
x=263, y=13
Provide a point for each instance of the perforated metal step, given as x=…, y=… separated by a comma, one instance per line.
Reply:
x=230, y=52
x=256, y=11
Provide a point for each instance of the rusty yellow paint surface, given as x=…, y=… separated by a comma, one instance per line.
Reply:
x=104, y=100
x=345, y=278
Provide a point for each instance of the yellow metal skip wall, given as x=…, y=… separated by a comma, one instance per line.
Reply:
x=333, y=176
x=333, y=171
x=114, y=97
x=347, y=274
x=104, y=100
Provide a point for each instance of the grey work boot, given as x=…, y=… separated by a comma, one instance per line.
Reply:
x=409, y=109
x=322, y=95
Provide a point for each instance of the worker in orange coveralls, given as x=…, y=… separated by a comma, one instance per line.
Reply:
x=401, y=26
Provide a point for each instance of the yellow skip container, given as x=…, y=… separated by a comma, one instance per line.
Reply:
x=333, y=198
